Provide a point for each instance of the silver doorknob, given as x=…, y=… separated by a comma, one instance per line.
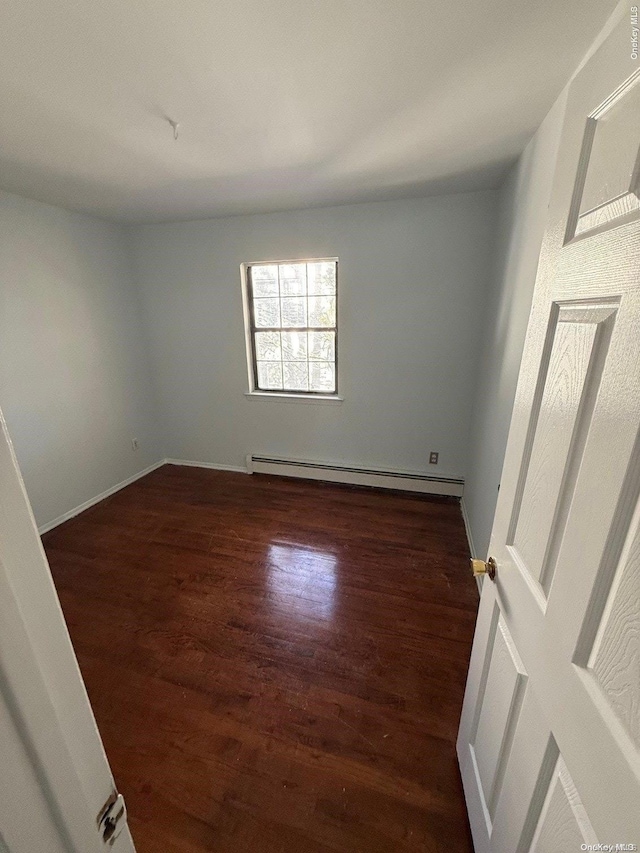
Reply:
x=479, y=567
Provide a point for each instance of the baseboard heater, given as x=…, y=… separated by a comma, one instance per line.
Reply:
x=334, y=473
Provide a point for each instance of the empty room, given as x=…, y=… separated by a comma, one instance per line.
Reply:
x=319, y=426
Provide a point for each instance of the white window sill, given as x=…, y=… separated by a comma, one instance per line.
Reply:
x=293, y=398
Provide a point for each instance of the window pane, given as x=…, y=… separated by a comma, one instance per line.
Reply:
x=266, y=312
x=294, y=346
x=321, y=278
x=322, y=346
x=264, y=280
x=322, y=376
x=270, y=375
x=268, y=346
x=322, y=310
x=296, y=376
x=293, y=280
x=297, y=297
x=294, y=312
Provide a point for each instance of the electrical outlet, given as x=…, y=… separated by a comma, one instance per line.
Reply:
x=433, y=458
x=134, y=444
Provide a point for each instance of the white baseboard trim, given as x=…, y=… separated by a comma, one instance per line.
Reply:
x=404, y=481
x=81, y=508
x=472, y=547
x=217, y=466
x=467, y=527
x=410, y=481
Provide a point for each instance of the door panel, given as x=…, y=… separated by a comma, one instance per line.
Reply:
x=563, y=822
x=560, y=423
x=613, y=661
x=39, y=834
x=497, y=709
x=549, y=743
x=608, y=180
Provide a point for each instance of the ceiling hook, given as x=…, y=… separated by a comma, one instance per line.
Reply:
x=175, y=126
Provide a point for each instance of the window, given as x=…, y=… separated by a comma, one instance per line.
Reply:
x=293, y=326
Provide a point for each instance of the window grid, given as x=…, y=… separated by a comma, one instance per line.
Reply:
x=303, y=300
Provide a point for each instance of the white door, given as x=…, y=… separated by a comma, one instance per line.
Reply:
x=55, y=783
x=549, y=742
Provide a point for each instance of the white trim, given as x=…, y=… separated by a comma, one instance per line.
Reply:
x=81, y=507
x=472, y=547
x=253, y=392
x=217, y=466
x=467, y=527
x=293, y=398
x=411, y=481
x=267, y=263
x=87, y=504
x=246, y=314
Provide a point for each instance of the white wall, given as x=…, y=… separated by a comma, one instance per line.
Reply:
x=74, y=373
x=523, y=204
x=413, y=276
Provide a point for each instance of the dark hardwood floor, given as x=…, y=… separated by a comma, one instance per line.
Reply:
x=274, y=664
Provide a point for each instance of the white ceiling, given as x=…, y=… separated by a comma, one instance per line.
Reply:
x=281, y=103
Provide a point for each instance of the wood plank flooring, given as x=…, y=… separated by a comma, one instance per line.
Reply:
x=275, y=665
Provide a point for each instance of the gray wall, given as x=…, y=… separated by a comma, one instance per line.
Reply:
x=413, y=278
x=523, y=203
x=74, y=373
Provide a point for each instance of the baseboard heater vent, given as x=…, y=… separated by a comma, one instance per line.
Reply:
x=405, y=480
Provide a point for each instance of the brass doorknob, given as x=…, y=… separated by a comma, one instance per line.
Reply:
x=479, y=567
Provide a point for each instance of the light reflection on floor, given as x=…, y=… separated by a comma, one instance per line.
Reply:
x=302, y=580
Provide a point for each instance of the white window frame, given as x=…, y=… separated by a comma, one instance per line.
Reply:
x=256, y=393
